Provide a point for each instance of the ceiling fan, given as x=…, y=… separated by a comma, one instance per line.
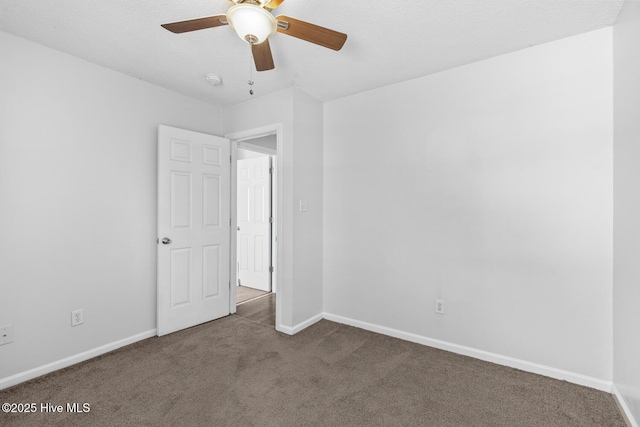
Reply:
x=253, y=22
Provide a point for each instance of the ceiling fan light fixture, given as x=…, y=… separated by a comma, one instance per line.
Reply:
x=252, y=23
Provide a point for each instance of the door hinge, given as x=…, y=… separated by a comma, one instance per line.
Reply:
x=271, y=269
x=230, y=159
x=271, y=171
x=271, y=220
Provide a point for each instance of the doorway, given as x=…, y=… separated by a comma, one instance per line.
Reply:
x=255, y=293
x=255, y=225
x=254, y=220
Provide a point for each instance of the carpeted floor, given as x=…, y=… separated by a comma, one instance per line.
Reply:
x=236, y=372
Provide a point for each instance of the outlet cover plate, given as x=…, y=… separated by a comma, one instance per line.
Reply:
x=440, y=306
x=77, y=317
x=6, y=334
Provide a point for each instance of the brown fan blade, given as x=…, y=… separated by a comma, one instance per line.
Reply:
x=196, y=24
x=273, y=4
x=262, y=56
x=311, y=33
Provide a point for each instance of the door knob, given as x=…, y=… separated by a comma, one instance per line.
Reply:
x=166, y=240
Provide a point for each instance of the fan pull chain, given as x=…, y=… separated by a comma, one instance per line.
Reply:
x=250, y=82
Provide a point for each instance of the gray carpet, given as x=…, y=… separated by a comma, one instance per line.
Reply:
x=235, y=372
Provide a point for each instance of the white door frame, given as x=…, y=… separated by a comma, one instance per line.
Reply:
x=239, y=137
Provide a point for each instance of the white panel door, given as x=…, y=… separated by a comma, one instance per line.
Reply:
x=194, y=176
x=254, y=225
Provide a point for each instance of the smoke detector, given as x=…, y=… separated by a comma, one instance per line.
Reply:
x=213, y=79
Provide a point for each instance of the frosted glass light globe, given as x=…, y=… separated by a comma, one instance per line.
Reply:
x=252, y=23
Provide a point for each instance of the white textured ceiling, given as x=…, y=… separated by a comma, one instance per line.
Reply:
x=388, y=40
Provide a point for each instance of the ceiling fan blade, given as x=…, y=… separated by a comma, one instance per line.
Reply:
x=262, y=56
x=196, y=24
x=311, y=33
x=273, y=4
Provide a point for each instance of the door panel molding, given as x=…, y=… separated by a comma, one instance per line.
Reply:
x=194, y=216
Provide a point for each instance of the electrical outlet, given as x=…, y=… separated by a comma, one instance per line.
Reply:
x=440, y=306
x=6, y=334
x=77, y=318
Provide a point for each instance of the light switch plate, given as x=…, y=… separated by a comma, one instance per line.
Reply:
x=304, y=206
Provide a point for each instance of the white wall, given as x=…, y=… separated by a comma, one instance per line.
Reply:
x=307, y=185
x=626, y=313
x=78, y=201
x=300, y=169
x=489, y=186
x=269, y=142
x=248, y=154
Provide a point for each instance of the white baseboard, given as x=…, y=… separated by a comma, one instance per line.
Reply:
x=72, y=360
x=511, y=362
x=300, y=326
x=631, y=422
